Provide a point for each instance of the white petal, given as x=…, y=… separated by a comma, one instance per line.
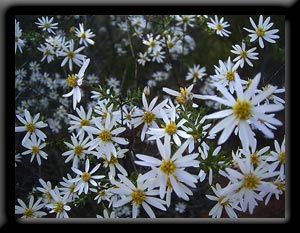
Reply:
x=148, y=210
x=220, y=114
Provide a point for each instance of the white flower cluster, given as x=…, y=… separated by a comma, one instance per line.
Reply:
x=134, y=153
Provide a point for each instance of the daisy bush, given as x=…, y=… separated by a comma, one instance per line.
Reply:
x=159, y=116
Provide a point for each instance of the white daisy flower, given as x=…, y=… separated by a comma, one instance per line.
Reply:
x=127, y=115
x=277, y=158
x=152, y=43
x=158, y=55
x=107, y=136
x=71, y=55
x=31, y=125
x=137, y=21
x=77, y=151
x=196, y=73
x=59, y=206
x=84, y=35
x=46, y=24
x=225, y=75
x=243, y=111
x=103, y=194
x=244, y=55
x=114, y=83
x=169, y=171
x=123, y=26
x=274, y=98
x=85, y=178
x=147, y=115
x=45, y=189
x=184, y=97
x=170, y=130
x=139, y=195
x=67, y=188
x=261, y=32
x=84, y=119
x=34, y=67
x=35, y=149
x=104, y=108
x=48, y=52
x=256, y=156
x=219, y=26
x=75, y=81
x=247, y=182
x=143, y=58
x=223, y=201
x=113, y=164
x=180, y=207
x=186, y=20
x=19, y=42
x=32, y=210
x=280, y=188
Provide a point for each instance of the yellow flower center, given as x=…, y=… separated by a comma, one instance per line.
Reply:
x=47, y=52
x=72, y=80
x=84, y=122
x=254, y=158
x=230, y=75
x=102, y=193
x=281, y=157
x=243, y=54
x=195, y=75
x=47, y=195
x=72, y=187
x=171, y=128
x=138, y=196
x=167, y=166
x=105, y=136
x=85, y=176
x=260, y=31
x=184, y=97
x=223, y=204
x=30, y=127
x=242, y=109
x=78, y=150
x=219, y=27
x=138, y=22
x=148, y=117
x=59, y=207
x=152, y=44
x=251, y=181
x=47, y=25
x=104, y=114
x=35, y=150
x=249, y=81
x=113, y=160
x=280, y=185
x=185, y=19
x=71, y=54
x=128, y=116
x=195, y=136
x=28, y=213
x=170, y=44
x=83, y=35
